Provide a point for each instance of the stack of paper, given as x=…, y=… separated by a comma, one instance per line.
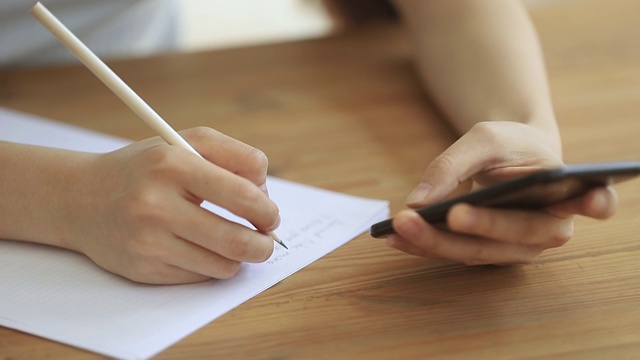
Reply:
x=64, y=296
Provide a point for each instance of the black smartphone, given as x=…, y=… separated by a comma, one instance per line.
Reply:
x=532, y=191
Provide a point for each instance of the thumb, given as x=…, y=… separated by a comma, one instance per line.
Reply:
x=486, y=147
x=443, y=175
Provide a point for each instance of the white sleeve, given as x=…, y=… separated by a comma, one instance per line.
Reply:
x=111, y=29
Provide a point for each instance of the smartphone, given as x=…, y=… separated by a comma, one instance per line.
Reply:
x=532, y=191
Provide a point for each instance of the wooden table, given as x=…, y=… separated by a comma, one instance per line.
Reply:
x=347, y=113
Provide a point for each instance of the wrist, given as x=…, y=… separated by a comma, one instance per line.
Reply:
x=545, y=127
x=70, y=211
x=37, y=193
x=548, y=129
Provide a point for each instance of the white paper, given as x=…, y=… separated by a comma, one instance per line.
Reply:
x=63, y=296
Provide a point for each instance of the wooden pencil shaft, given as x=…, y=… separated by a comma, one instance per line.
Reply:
x=109, y=78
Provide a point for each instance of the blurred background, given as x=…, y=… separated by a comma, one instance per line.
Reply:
x=124, y=28
x=219, y=23
x=207, y=24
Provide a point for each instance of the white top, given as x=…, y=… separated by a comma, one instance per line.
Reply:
x=111, y=29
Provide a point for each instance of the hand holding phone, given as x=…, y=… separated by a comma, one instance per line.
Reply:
x=533, y=191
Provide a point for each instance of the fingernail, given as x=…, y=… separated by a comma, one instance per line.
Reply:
x=419, y=194
x=408, y=229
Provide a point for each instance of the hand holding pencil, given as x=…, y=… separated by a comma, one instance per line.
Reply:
x=140, y=204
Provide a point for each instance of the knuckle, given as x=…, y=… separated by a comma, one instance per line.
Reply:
x=145, y=249
x=144, y=206
x=165, y=162
x=199, y=133
x=247, y=194
x=238, y=246
x=257, y=158
x=227, y=269
x=444, y=163
x=266, y=254
x=158, y=154
x=246, y=246
x=256, y=164
x=159, y=164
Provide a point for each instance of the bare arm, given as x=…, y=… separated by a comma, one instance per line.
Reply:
x=481, y=61
x=136, y=211
x=33, y=180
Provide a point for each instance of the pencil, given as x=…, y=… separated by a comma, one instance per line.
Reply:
x=113, y=82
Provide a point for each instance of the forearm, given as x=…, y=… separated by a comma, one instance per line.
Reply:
x=35, y=191
x=481, y=61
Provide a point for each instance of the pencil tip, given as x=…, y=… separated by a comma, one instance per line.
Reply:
x=278, y=240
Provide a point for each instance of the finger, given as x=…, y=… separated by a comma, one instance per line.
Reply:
x=229, y=153
x=171, y=260
x=599, y=203
x=216, y=234
x=163, y=274
x=442, y=176
x=518, y=227
x=496, y=147
x=198, y=260
x=456, y=164
x=151, y=267
x=230, y=191
x=152, y=253
x=417, y=237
